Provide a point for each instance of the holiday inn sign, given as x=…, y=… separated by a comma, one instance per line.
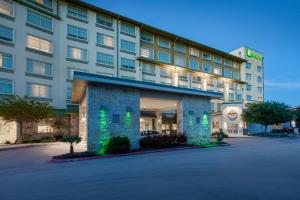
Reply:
x=251, y=54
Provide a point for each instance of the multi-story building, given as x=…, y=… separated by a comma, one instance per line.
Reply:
x=42, y=42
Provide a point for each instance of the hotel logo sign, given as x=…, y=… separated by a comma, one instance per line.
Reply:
x=251, y=54
x=232, y=115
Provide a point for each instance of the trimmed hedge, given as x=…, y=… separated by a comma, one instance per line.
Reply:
x=117, y=145
x=38, y=138
x=161, y=141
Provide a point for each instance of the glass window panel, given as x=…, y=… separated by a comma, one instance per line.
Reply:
x=179, y=61
x=194, y=52
x=127, y=63
x=227, y=73
x=105, y=40
x=6, y=60
x=148, y=68
x=39, y=44
x=147, y=53
x=163, y=42
x=179, y=47
x=128, y=28
x=6, y=86
x=194, y=64
x=6, y=34
x=206, y=56
x=77, y=12
x=164, y=57
x=206, y=67
x=6, y=8
x=147, y=37
x=104, y=20
x=128, y=46
x=106, y=59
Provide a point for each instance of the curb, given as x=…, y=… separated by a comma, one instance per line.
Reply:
x=13, y=147
x=53, y=160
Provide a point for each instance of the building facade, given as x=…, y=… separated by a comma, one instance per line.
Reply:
x=42, y=43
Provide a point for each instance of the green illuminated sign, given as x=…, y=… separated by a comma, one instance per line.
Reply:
x=251, y=54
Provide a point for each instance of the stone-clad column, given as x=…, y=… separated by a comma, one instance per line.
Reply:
x=112, y=111
x=193, y=119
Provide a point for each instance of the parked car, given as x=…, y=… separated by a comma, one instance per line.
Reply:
x=149, y=133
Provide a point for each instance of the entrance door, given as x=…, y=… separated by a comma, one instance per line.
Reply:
x=232, y=128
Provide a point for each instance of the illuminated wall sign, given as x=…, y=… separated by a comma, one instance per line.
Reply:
x=251, y=54
x=232, y=115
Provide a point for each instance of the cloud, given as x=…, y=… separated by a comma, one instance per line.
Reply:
x=292, y=85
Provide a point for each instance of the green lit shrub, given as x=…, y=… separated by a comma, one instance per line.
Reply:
x=161, y=141
x=117, y=145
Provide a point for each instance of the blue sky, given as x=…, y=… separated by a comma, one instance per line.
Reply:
x=271, y=27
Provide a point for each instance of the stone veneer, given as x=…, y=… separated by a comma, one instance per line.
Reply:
x=190, y=118
x=112, y=111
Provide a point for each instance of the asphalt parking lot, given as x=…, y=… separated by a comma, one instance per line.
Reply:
x=251, y=168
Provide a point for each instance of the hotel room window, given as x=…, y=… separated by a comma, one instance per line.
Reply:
x=162, y=42
x=105, y=40
x=147, y=53
x=39, y=68
x=106, y=59
x=206, y=67
x=39, y=44
x=128, y=46
x=77, y=12
x=7, y=7
x=128, y=29
x=77, y=32
x=127, y=63
x=104, y=20
x=206, y=56
x=39, y=20
x=248, y=77
x=6, y=34
x=194, y=64
x=180, y=48
x=77, y=53
x=148, y=68
x=39, y=90
x=164, y=57
x=6, y=86
x=179, y=61
x=6, y=60
x=194, y=52
x=147, y=37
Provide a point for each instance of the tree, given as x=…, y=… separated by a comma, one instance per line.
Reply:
x=267, y=113
x=21, y=110
x=71, y=139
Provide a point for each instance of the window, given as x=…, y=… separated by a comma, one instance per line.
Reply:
x=148, y=68
x=6, y=86
x=249, y=98
x=6, y=34
x=147, y=52
x=182, y=75
x=248, y=65
x=212, y=105
x=259, y=79
x=163, y=57
x=179, y=61
x=194, y=64
x=249, y=87
x=7, y=7
x=194, y=52
x=180, y=48
x=206, y=56
x=39, y=20
x=231, y=96
x=69, y=93
x=164, y=71
x=227, y=73
x=235, y=65
x=206, y=67
x=38, y=90
x=248, y=77
x=218, y=70
x=236, y=75
x=76, y=32
x=76, y=53
x=227, y=62
x=128, y=29
x=128, y=46
x=47, y=3
x=39, y=68
x=196, y=78
x=6, y=60
x=162, y=42
x=105, y=59
x=147, y=37
x=259, y=89
x=259, y=69
x=79, y=13
x=127, y=63
x=39, y=44
x=104, y=20
x=217, y=59
x=105, y=40
x=239, y=97
x=231, y=86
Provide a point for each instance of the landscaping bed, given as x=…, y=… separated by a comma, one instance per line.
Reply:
x=275, y=135
x=78, y=156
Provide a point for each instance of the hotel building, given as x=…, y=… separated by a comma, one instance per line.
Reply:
x=43, y=42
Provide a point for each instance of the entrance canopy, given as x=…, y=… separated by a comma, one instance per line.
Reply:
x=81, y=79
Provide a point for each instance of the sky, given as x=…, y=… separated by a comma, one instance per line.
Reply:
x=269, y=26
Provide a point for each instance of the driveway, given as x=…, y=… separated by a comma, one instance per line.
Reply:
x=251, y=168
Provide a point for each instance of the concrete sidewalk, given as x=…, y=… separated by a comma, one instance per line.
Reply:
x=4, y=147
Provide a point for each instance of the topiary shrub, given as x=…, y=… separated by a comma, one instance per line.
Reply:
x=71, y=139
x=161, y=141
x=117, y=145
